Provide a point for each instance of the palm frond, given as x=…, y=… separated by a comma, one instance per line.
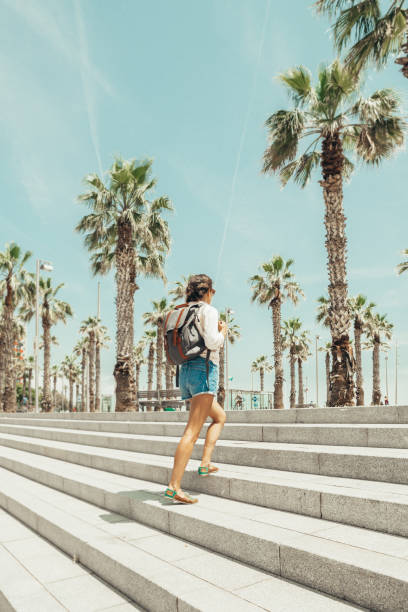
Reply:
x=299, y=84
x=356, y=21
x=380, y=139
x=285, y=129
x=301, y=169
x=384, y=40
x=330, y=7
x=382, y=104
x=403, y=267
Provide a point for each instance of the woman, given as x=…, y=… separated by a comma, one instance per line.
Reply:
x=201, y=391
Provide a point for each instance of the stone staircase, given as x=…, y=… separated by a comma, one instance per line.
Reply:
x=309, y=510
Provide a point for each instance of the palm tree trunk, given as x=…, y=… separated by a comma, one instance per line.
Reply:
x=98, y=377
x=262, y=377
x=341, y=375
x=2, y=362
x=91, y=373
x=71, y=392
x=9, y=391
x=277, y=342
x=159, y=360
x=138, y=368
x=359, y=366
x=30, y=377
x=376, y=397
x=301, y=399
x=125, y=293
x=46, y=403
x=150, y=368
x=221, y=382
x=54, y=392
x=25, y=382
x=327, y=378
x=83, y=370
x=292, y=397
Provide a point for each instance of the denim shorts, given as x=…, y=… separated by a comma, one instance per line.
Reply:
x=193, y=378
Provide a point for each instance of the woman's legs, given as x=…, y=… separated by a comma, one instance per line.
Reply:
x=200, y=407
x=218, y=416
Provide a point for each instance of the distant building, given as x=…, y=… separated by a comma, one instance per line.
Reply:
x=107, y=403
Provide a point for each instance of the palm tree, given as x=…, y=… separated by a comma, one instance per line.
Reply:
x=377, y=35
x=69, y=369
x=81, y=350
x=327, y=350
x=234, y=333
x=332, y=115
x=55, y=371
x=179, y=291
x=127, y=231
x=156, y=318
x=377, y=325
x=273, y=286
x=360, y=310
x=89, y=328
x=16, y=288
x=290, y=341
x=262, y=365
x=139, y=359
x=302, y=353
x=150, y=336
x=403, y=267
x=52, y=310
x=77, y=381
x=101, y=341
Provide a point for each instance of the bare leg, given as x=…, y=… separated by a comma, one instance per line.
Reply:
x=217, y=414
x=199, y=409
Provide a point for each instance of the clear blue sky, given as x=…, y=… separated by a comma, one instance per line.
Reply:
x=184, y=83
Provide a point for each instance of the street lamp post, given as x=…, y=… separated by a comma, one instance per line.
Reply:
x=317, y=375
x=40, y=265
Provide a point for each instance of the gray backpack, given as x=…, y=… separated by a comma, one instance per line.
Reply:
x=182, y=340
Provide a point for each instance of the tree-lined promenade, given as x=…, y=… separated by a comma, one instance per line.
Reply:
x=330, y=124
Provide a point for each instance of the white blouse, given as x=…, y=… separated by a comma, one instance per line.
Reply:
x=207, y=324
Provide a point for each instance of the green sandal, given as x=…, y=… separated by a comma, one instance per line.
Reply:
x=203, y=471
x=187, y=499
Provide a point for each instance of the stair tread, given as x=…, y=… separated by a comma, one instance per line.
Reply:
x=36, y=575
x=396, y=426
x=274, y=525
x=351, y=486
x=186, y=570
x=396, y=453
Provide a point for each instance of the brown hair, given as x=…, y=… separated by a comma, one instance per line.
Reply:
x=198, y=285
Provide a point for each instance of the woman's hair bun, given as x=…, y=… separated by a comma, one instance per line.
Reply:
x=198, y=285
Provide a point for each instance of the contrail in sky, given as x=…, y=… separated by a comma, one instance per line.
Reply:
x=242, y=139
x=85, y=76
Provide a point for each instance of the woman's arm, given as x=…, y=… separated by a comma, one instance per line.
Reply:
x=213, y=338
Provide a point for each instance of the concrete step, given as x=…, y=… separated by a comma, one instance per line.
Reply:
x=360, y=414
x=378, y=506
x=382, y=464
x=38, y=577
x=163, y=572
x=332, y=434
